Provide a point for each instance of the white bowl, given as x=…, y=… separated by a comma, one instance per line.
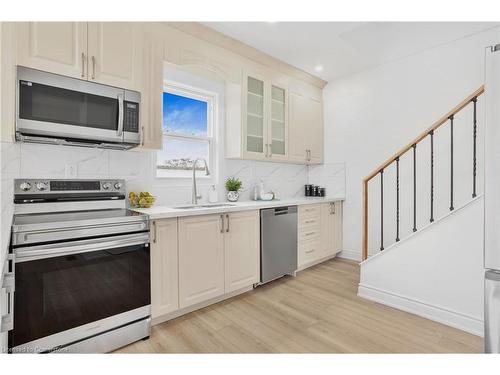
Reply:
x=266, y=196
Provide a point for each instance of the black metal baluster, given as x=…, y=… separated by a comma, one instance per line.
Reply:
x=451, y=163
x=397, y=199
x=474, y=136
x=432, y=175
x=381, y=209
x=414, y=187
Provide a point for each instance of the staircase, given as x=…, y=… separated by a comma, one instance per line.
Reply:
x=429, y=133
x=423, y=223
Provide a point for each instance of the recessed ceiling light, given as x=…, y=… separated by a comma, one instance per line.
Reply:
x=318, y=68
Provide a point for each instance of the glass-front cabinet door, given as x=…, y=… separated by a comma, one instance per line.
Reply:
x=265, y=118
x=277, y=130
x=255, y=117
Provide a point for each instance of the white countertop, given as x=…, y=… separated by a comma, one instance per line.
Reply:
x=163, y=212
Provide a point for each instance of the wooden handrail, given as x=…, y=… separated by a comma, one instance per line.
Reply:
x=398, y=154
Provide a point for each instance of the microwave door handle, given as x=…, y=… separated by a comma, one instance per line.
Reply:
x=120, y=115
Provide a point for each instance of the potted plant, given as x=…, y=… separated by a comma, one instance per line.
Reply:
x=233, y=186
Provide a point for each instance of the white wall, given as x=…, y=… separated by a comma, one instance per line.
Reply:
x=448, y=289
x=371, y=115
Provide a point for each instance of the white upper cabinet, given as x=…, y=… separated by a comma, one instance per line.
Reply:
x=263, y=110
x=115, y=53
x=56, y=47
x=104, y=52
x=306, y=129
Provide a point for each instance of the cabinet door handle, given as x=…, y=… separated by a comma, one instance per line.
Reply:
x=267, y=150
x=154, y=231
x=93, y=67
x=333, y=208
x=270, y=147
x=222, y=223
x=142, y=136
x=227, y=218
x=83, y=65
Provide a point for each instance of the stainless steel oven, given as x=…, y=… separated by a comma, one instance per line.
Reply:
x=82, y=277
x=56, y=109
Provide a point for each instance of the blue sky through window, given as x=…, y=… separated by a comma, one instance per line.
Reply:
x=184, y=115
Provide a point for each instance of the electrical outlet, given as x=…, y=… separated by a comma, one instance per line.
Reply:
x=71, y=170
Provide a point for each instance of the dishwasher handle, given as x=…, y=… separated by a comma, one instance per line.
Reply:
x=279, y=211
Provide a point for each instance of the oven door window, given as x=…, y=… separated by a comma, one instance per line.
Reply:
x=60, y=293
x=44, y=103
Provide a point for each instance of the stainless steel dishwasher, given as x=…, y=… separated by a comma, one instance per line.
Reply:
x=278, y=242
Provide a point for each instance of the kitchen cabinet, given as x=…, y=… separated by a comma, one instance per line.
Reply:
x=241, y=250
x=164, y=268
x=115, y=54
x=305, y=129
x=201, y=259
x=151, y=110
x=104, y=52
x=319, y=232
x=331, y=228
x=218, y=254
x=262, y=115
x=56, y=47
x=309, y=234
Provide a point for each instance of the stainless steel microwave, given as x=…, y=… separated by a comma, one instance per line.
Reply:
x=51, y=108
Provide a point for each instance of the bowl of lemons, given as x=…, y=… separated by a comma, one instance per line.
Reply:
x=144, y=199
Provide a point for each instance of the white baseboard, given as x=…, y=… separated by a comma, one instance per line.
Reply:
x=439, y=314
x=350, y=254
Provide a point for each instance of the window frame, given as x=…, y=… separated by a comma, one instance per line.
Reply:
x=211, y=98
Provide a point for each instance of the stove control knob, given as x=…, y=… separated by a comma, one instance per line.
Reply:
x=25, y=186
x=118, y=185
x=106, y=186
x=41, y=186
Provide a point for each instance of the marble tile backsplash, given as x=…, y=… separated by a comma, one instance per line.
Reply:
x=24, y=160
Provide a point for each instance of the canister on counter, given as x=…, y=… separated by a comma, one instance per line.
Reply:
x=308, y=190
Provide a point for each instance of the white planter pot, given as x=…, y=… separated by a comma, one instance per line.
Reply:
x=232, y=196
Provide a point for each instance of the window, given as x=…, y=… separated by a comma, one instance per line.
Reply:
x=187, y=132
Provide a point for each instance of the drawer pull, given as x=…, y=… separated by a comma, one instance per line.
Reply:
x=310, y=251
x=309, y=233
x=309, y=221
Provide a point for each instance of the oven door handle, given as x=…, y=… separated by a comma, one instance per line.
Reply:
x=24, y=254
x=120, y=115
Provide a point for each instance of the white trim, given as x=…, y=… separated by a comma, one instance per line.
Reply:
x=350, y=254
x=436, y=313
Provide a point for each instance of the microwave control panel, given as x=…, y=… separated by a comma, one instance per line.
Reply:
x=131, y=117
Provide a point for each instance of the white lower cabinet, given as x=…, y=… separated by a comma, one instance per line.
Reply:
x=201, y=259
x=218, y=254
x=196, y=259
x=164, y=267
x=320, y=232
x=242, y=250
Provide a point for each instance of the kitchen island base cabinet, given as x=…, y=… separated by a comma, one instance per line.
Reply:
x=201, y=259
x=164, y=270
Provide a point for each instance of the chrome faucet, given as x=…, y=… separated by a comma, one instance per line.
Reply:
x=195, y=197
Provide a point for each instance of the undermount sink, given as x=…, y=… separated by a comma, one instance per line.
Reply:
x=217, y=205
x=203, y=206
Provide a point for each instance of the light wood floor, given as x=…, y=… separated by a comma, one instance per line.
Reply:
x=316, y=312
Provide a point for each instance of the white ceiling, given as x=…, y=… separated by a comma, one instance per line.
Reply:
x=343, y=48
